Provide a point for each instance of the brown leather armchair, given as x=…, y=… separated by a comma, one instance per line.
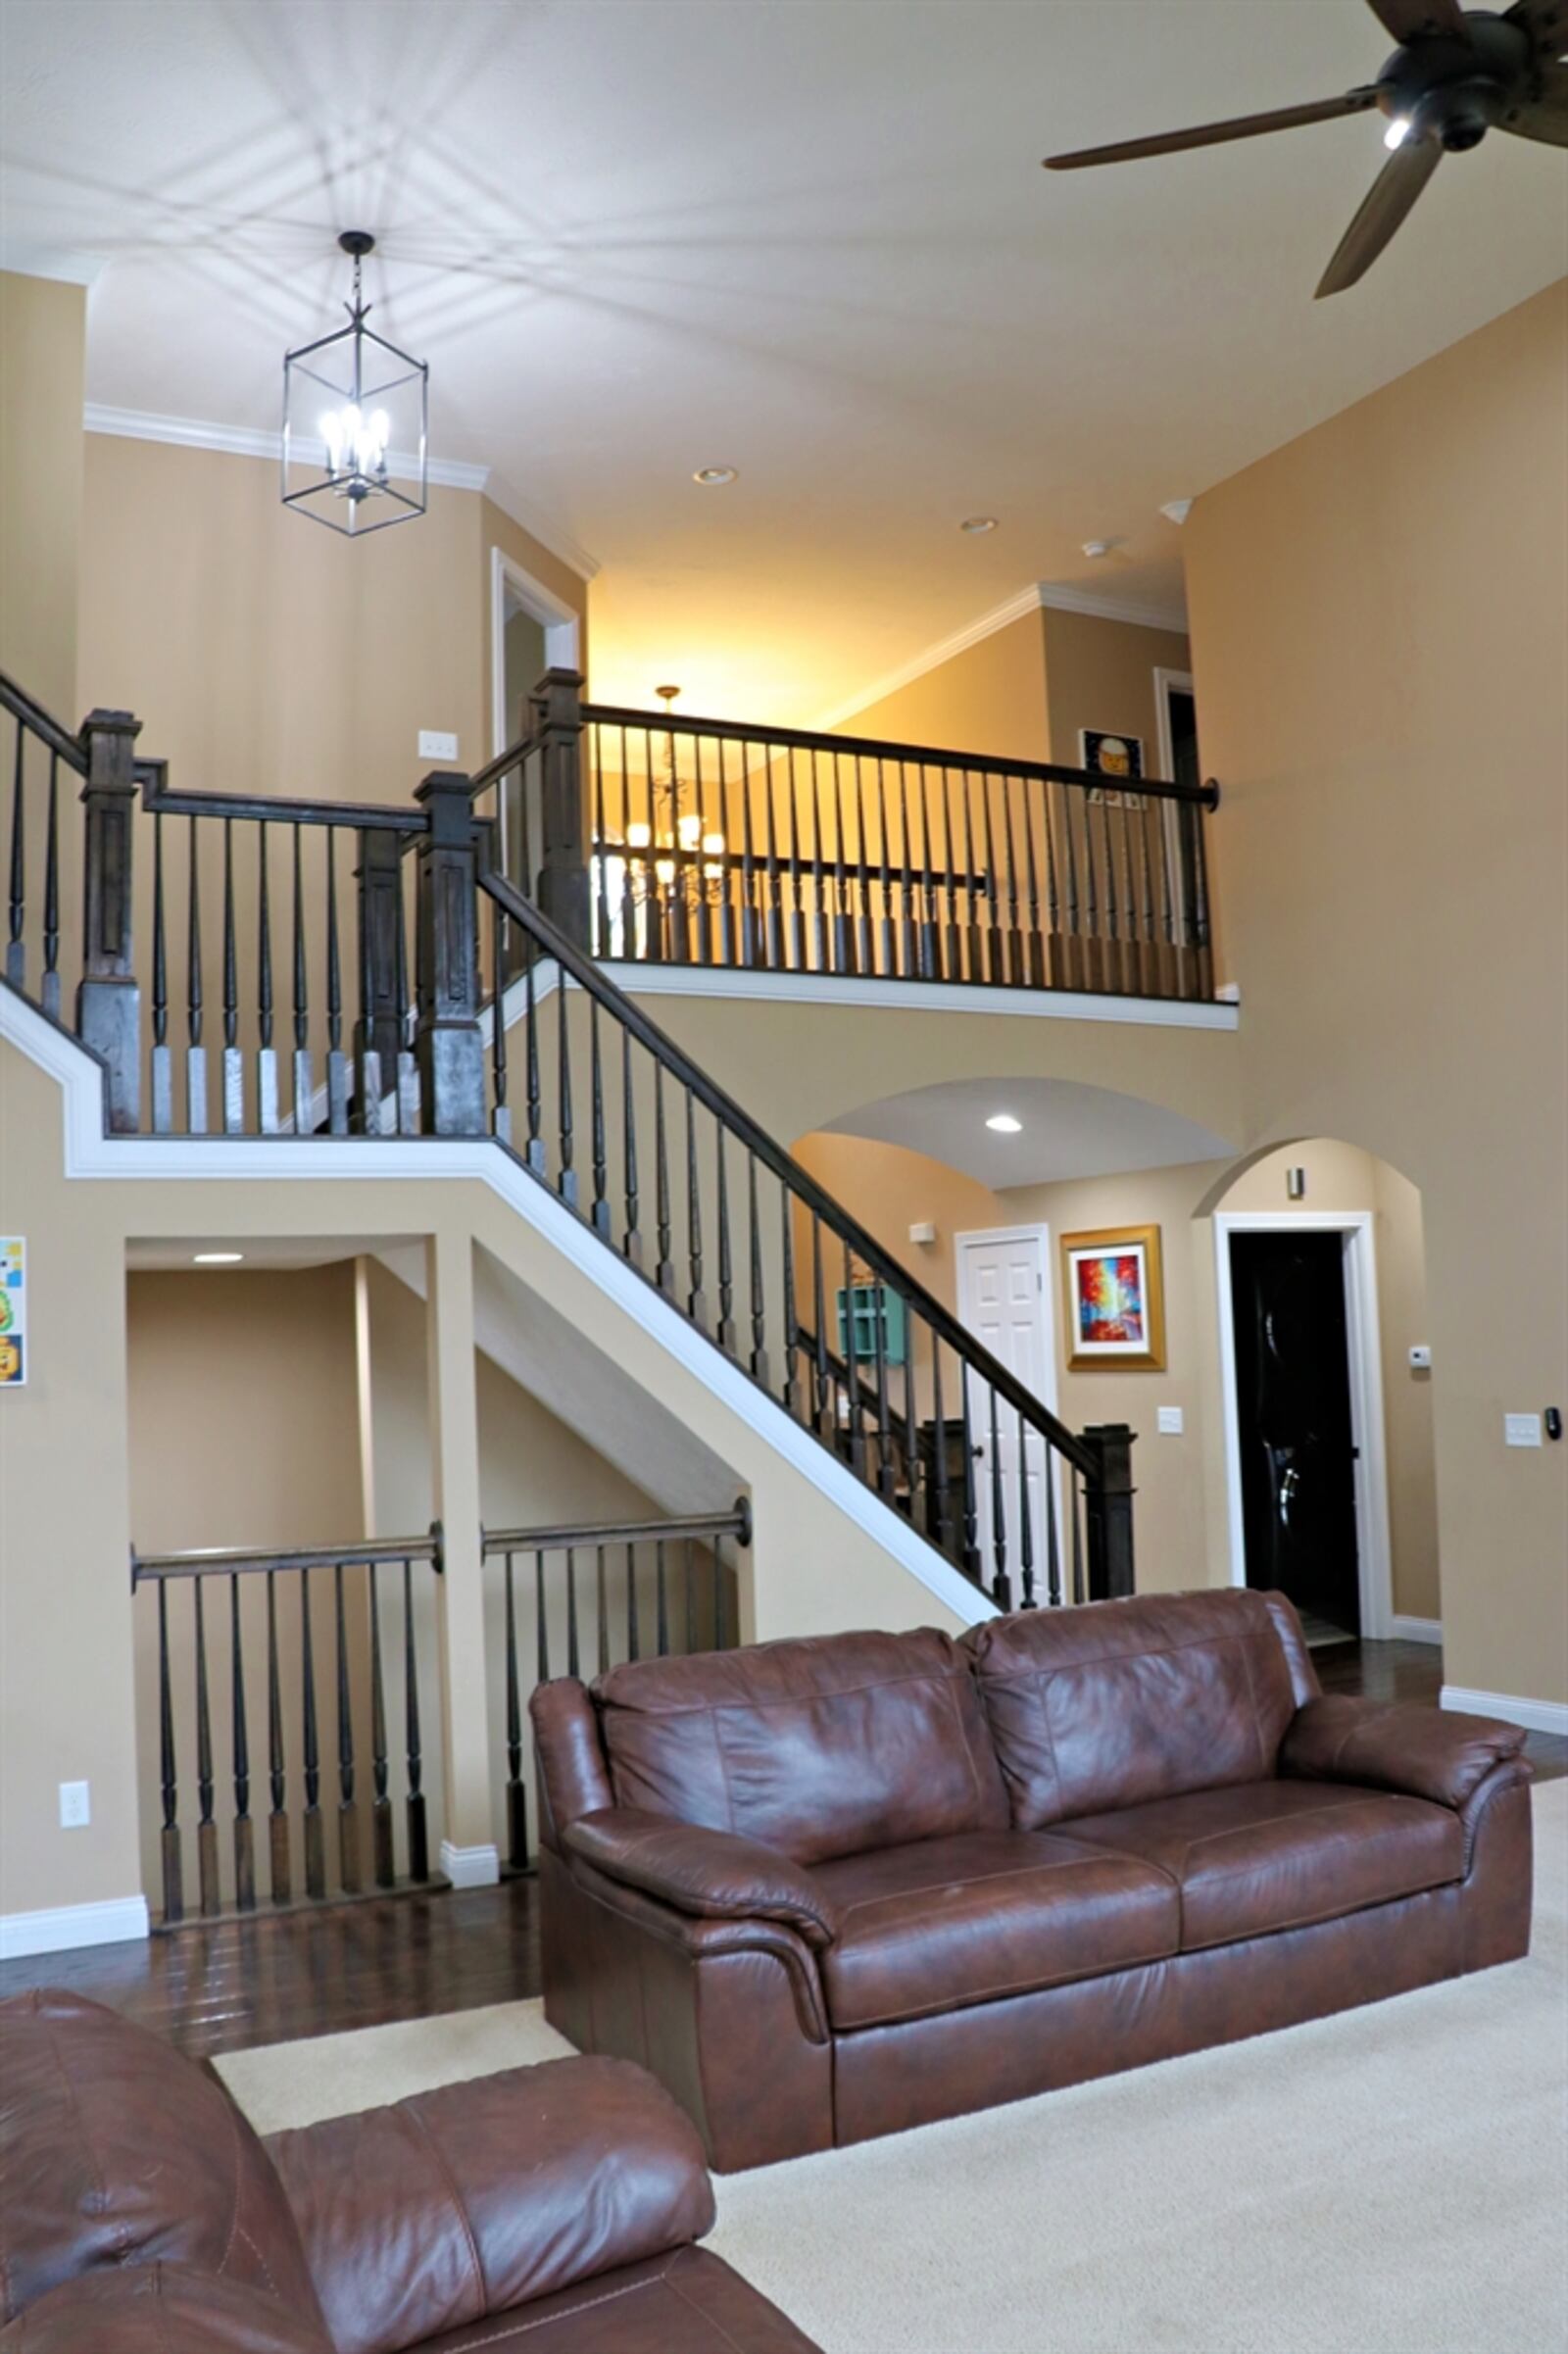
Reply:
x=830, y=1888
x=552, y=2207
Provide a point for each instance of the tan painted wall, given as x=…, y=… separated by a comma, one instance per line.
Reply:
x=1379, y=615
x=990, y=699
x=43, y=346
x=1101, y=673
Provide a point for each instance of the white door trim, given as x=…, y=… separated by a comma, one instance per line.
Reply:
x=561, y=627
x=1164, y=680
x=1364, y=1350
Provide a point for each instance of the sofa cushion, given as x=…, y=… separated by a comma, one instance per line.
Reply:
x=819, y=1748
x=1121, y=1703
x=946, y=1922
x=1270, y=1855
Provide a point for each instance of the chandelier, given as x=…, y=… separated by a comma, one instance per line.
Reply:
x=678, y=861
x=356, y=413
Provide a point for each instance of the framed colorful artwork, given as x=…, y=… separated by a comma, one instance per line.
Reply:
x=1119, y=757
x=1114, y=1293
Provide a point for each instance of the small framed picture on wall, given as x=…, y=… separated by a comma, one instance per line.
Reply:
x=1113, y=756
x=1114, y=1292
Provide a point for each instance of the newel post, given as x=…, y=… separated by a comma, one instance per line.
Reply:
x=379, y=1033
x=448, y=1043
x=564, y=894
x=1109, y=1508
x=108, y=999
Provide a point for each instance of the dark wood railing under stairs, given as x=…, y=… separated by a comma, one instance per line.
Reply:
x=605, y=1109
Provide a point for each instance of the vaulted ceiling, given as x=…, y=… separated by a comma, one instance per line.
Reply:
x=805, y=239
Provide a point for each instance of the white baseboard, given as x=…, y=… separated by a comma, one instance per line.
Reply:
x=1414, y=1629
x=471, y=1866
x=64, y=1927
x=1539, y=1716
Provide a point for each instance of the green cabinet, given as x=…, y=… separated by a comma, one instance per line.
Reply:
x=870, y=1305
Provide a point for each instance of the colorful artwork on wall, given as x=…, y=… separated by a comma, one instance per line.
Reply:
x=1110, y=755
x=1113, y=1288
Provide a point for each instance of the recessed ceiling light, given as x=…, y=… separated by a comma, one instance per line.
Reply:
x=217, y=1258
x=979, y=523
x=1004, y=1124
x=713, y=477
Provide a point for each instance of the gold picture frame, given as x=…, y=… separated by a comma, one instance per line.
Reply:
x=1113, y=1300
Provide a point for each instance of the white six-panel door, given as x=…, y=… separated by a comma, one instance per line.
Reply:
x=1005, y=1299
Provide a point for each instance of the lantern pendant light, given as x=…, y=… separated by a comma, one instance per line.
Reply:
x=356, y=422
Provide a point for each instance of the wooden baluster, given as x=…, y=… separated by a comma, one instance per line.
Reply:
x=889, y=935
x=1017, y=946
x=1053, y=1545
x=281, y=1880
x=773, y=952
x=852, y=1376
x=1026, y=1536
x=681, y=928
x=17, y=896
x=499, y=1109
x=566, y=1175
x=695, y=1297
x=908, y=961
x=661, y=1601
x=599, y=1215
x=827, y=1417
x=996, y=943
x=630, y=945
x=541, y=1620
x=1034, y=965
x=865, y=960
x=457, y=1101
x=602, y=1609
x=163, y=1076
x=381, y=1841
x=633, y=1628
x=315, y=1835
x=1111, y=953
x=952, y=966
x=885, y=1479
x=1075, y=1490
x=691, y=1597
x=843, y=916
x=212, y=1900
x=597, y=853
x=419, y=1830
x=940, y=1485
x=1094, y=958
x=631, y=1241
x=1049, y=968
x=267, y=1119
x=1148, y=932
x=797, y=940
x=975, y=886
x=665, y=1273
x=1204, y=959
x=1130, y=960
x=720, y=1629
x=748, y=927
x=1170, y=954
x=337, y=1068
x=516, y=1795
x=725, y=1333
x=819, y=867
x=792, y=1319
x=244, y=1827
x=573, y=1662
x=1002, y=1582
x=653, y=888
x=911, y=1429
x=233, y=1060
x=758, y=1360
x=304, y=1088
x=534, y=1150
x=168, y=1836
x=50, y=996
x=348, y=1814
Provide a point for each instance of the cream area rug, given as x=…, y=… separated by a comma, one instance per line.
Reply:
x=1391, y=2182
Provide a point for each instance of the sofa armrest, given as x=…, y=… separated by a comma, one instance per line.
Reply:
x=459, y=2204
x=713, y=1874
x=1425, y=1752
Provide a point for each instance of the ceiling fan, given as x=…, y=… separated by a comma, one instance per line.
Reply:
x=1456, y=74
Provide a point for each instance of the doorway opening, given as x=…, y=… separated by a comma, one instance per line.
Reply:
x=532, y=630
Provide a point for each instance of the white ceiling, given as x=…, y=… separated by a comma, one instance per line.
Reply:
x=1068, y=1130
x=807, y=239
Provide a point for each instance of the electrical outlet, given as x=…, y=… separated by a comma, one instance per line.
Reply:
x=436, y=743
x=76, y=1806
x=1171, y=1424
x=1521, y=1430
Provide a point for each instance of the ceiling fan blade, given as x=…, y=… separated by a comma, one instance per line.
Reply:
x=1212, y=134
x=1419, y=20
x=1383, y=209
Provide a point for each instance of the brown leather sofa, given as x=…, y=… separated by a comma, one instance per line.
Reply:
x=825, y=1889
x=551, y=2210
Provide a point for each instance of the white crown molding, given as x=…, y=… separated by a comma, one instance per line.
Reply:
x=1040, y=595
x=91, y=1154
x=61, y=1927
x=542, y=527
x=1537, y=1716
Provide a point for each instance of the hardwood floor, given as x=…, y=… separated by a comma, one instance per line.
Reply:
x=267, y=1980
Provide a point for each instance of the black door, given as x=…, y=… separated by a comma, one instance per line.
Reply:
x=1293, y=1404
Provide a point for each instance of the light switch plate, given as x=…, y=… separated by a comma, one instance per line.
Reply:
x=1521, y=1430
x=1171, y=1424
x=76, y=1806
x=436, y=745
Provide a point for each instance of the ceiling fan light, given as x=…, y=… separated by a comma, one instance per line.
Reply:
x=1398, y=131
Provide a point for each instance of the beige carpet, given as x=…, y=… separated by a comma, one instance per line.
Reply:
x=1391, y=2182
